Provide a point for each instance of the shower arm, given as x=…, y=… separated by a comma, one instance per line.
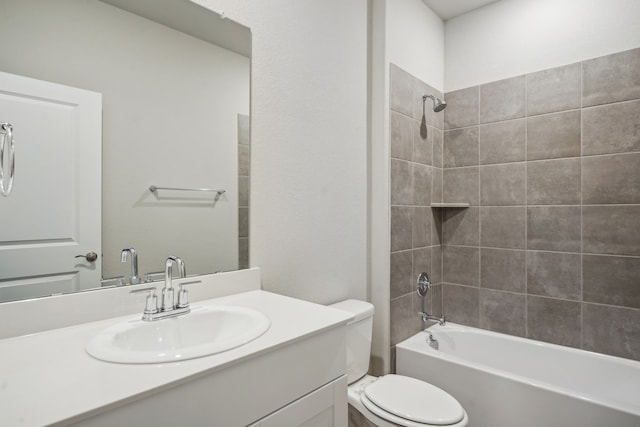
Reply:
x=424, y=100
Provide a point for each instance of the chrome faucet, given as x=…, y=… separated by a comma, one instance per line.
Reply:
x=135, y=279
x=167, y=291
x=168, y=306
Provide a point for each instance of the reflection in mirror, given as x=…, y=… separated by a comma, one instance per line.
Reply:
x=104, y=103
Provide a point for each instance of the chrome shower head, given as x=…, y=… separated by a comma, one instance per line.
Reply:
x=438, y=104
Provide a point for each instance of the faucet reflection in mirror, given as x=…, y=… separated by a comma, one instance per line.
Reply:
x=130, y=102
x=135, y=279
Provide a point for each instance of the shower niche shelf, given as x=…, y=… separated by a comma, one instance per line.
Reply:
x=450, y=205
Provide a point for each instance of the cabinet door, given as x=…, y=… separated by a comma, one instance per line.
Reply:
x=325, y=407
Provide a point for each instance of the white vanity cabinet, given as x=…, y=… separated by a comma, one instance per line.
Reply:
x=297, y=384
x=293, y=375
x=325, y=407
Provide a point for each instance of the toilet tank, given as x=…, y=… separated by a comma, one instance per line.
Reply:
x=358, y=337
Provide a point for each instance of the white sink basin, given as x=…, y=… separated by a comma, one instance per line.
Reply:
x=204, y=331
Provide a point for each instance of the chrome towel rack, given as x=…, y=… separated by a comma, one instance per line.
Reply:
x=154, y=188
x=6, y=130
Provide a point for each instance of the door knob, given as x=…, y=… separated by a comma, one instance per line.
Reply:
x=90, y=256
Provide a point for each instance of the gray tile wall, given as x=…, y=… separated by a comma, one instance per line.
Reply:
x=416, y=181
x=550, y=247
x=244, y=155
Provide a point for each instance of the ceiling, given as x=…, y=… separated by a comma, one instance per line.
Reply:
x=447, y=9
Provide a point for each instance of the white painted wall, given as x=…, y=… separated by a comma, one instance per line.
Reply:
x=408, y=34
x=308, y=215
x=379, y=178
x=515, y=37
x=147, y=74
x=415, y=40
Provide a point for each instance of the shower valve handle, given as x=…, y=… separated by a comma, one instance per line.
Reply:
x=423, y=284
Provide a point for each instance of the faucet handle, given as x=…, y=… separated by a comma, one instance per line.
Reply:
x=423, y=284
x=151, y=305
x=183, y=298
x=183, y=294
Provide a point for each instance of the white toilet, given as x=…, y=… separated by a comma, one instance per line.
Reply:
x=391, y=400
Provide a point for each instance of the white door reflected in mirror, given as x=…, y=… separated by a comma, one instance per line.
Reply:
x=54, y=211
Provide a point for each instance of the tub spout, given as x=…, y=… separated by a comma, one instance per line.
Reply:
x=426, y=316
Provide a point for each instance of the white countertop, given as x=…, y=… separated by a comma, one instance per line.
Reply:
x=48, y=377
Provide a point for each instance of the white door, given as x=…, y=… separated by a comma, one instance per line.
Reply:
x=53, y=212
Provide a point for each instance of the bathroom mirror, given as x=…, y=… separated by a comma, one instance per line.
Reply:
x=171, y=80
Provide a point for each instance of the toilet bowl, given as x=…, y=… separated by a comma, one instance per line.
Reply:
x=391, y=400
x=405, y=401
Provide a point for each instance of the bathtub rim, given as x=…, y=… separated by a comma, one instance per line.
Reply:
x=418, y=343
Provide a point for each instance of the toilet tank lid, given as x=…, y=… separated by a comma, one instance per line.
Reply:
x=359, y=309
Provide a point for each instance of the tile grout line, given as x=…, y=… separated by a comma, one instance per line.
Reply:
x=547, y=251
x=581, y=206
x=576, y=205
x=479, y=210
x=526, y=203
x=549, y=159
x=624, y=307
x=414, y=196
x=441, y=219
x=434, y=227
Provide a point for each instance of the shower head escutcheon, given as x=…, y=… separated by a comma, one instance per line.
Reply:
x=438, y=104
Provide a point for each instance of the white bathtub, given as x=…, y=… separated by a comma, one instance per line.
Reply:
x=505, y=381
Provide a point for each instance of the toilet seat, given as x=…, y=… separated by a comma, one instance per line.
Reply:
x=410, y=402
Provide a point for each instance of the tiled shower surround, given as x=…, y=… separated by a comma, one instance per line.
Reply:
x=550, y=247
x=416, y=182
